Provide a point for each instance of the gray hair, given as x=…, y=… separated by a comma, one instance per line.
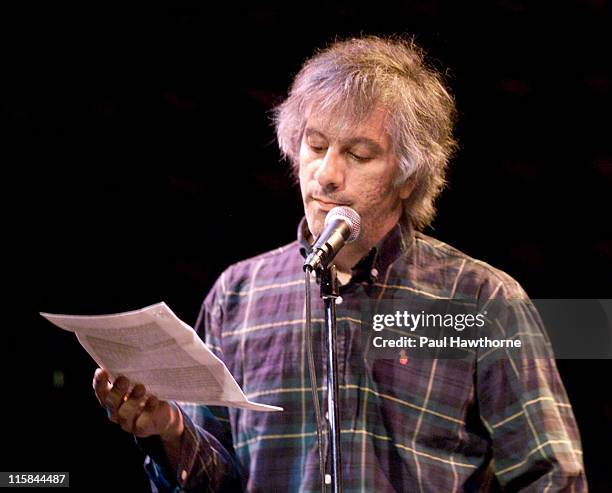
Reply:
x=349, y=79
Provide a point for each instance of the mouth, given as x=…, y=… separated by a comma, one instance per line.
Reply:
x=326, y=205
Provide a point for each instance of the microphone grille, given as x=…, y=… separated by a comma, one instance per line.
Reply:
x=350, y=216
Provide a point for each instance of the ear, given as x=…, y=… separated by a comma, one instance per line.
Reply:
x=406, y=188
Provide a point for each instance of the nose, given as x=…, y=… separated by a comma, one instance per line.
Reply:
x=330, y=173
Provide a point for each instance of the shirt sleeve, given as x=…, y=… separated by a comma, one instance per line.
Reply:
x=522, y=402
x=207, y=461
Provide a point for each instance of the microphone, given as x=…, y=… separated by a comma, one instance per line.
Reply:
x=342, y=226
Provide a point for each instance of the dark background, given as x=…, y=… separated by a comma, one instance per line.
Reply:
x=140, y=162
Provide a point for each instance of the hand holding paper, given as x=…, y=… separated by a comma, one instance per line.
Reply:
x=154, y=347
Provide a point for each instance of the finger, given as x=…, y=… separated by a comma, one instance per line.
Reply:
x=101, y=385
x=116, y=397
x=145, y=423
x=131, y=408
x=152, y=403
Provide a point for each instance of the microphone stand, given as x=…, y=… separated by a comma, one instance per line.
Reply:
x=329, y=294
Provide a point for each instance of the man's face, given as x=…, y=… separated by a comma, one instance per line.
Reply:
x=355, y=169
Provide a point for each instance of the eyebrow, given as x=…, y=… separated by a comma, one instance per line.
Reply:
x=372, y=144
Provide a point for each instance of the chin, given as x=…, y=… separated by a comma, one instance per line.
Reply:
x=316, y=222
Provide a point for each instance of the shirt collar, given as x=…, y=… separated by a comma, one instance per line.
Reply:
x=375, y=263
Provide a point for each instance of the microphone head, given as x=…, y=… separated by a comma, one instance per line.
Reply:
x=349, y=216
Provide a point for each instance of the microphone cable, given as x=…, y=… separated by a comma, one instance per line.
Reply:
x=313, y=379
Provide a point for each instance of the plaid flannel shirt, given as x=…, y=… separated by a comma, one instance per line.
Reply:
x=426, y=425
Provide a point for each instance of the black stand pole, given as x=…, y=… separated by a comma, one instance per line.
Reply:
x=329, y=294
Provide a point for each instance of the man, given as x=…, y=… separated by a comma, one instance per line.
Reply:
x=367, y=124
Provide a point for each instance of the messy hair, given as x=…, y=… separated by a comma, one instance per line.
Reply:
x=347, y=80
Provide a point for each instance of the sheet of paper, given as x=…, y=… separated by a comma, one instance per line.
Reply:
x=154, y=347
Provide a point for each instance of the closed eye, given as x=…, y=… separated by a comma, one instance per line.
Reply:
x=317, y=149
x=359, y=158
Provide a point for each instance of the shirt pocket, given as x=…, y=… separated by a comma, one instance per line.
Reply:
x=423, y=402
